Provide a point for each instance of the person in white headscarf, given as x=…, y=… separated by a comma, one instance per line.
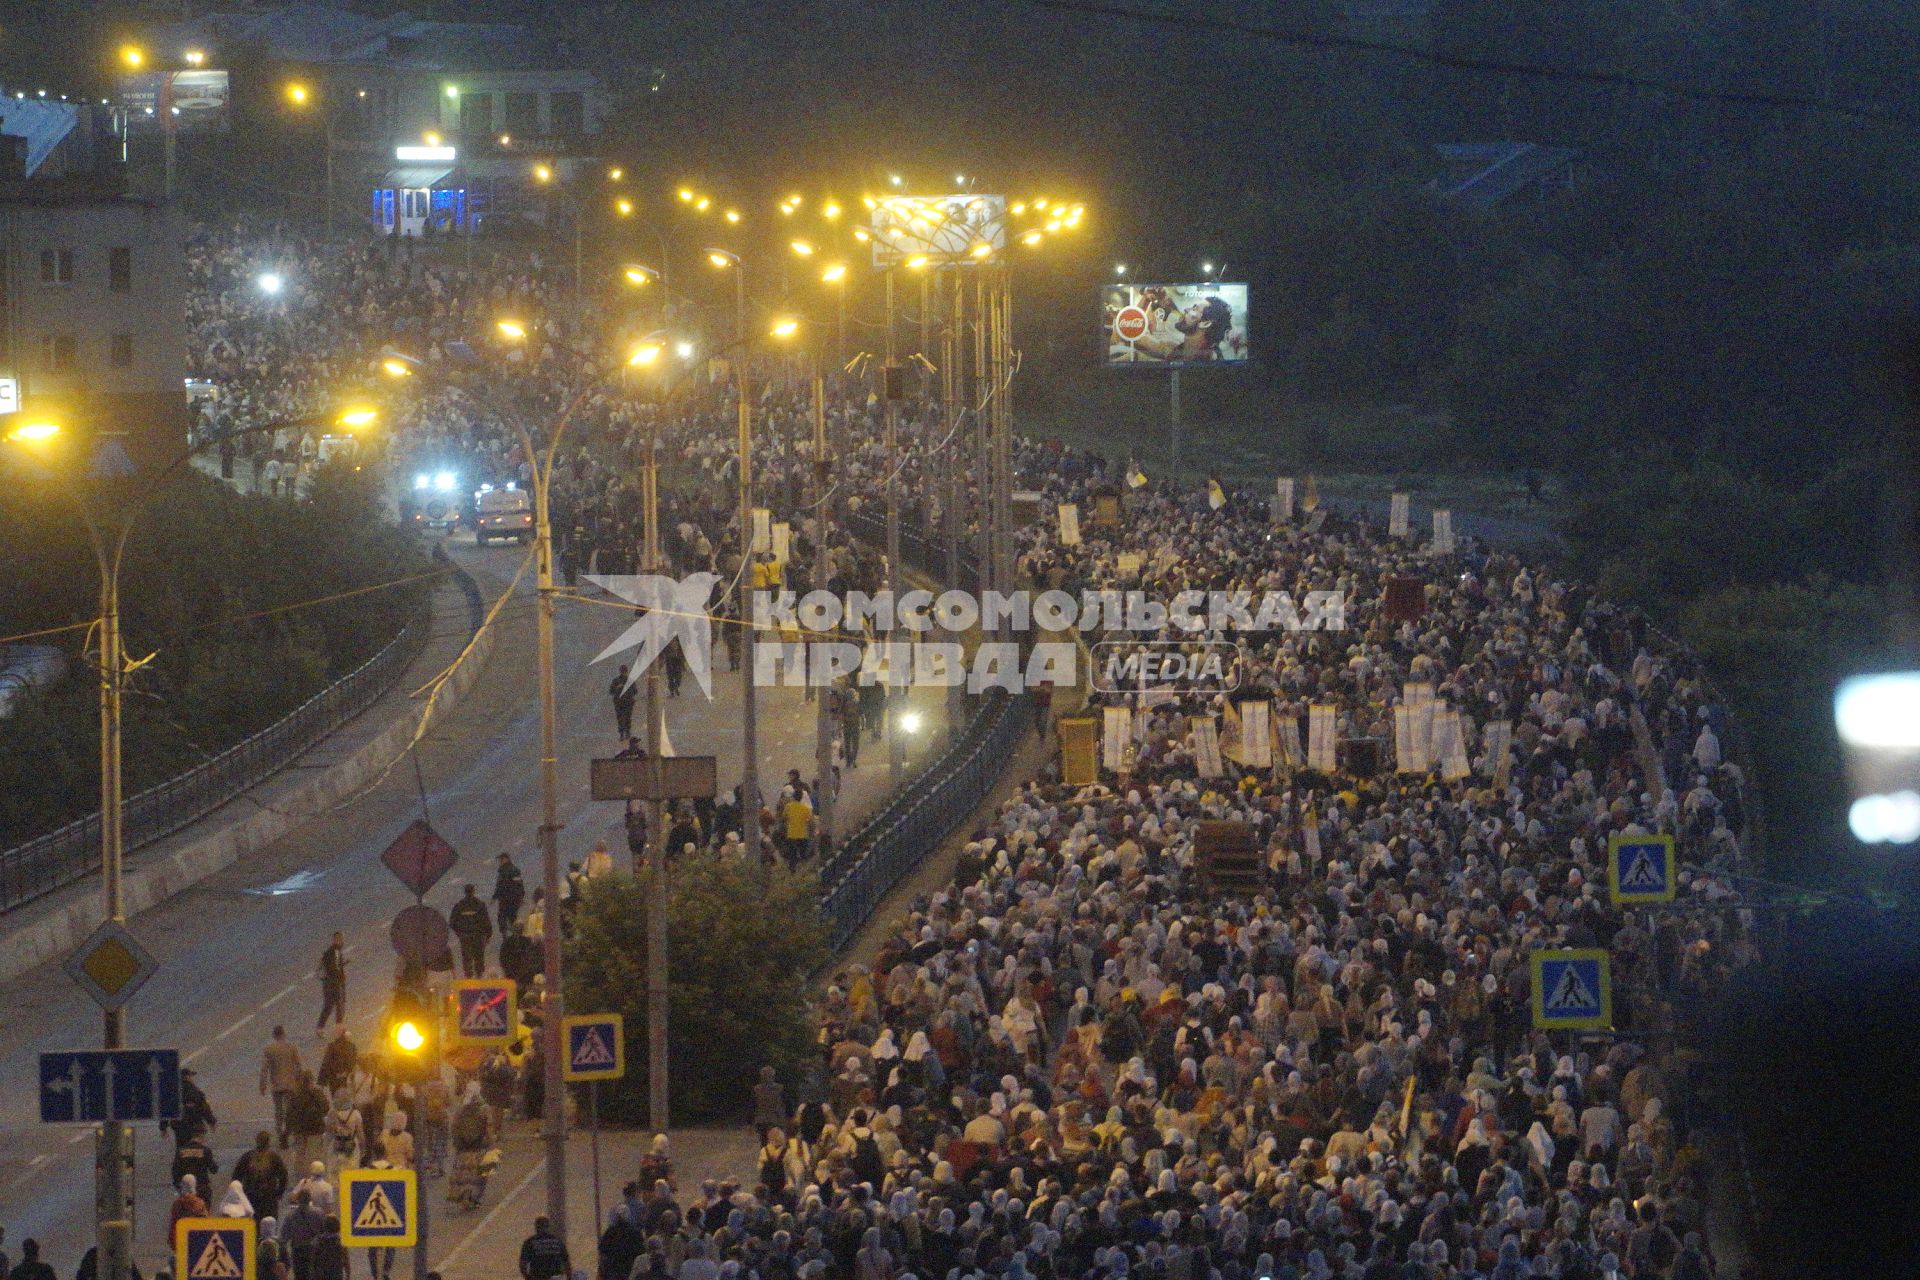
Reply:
x=234, y=1204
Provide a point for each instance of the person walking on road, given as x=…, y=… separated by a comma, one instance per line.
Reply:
x=339, y=1062
x=543, y=1255
x=280, y=1072
x=333, y=984
x=472, y=926
x=30, y=1267
x=509, y=891
x=623, y=693
x=262, y=1174
x=187, y=1204
x=306, y=1119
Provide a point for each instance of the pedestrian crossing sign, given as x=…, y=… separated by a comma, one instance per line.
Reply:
x=1641, y=869
x=1572, y=990
x=213, y=1248
x=379, y=1207
x=484, y=1012
x=596, y=1047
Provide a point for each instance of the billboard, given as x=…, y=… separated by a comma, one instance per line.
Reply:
x=199, y=97
x=1174, y=324
x=945, y=229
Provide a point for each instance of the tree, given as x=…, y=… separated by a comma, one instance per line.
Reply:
x=743, y=940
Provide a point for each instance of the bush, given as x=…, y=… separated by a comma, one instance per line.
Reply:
x=742, y=940
x=208, y=588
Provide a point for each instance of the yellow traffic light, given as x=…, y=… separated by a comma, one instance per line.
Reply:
x=33, y=432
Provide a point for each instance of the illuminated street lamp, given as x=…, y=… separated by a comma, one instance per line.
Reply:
x=194, y=57
x=113, y=1151
x=802, y=247
x=133, y=56
x=270, y=282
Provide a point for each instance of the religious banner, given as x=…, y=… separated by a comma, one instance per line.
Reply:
x=1449, y=744
x=1127, y=565
x=1256, y=737
x=762, y=529
x=1079, y=754
x=1407, y=756
x=1069, y=524
x=782, y=542
x=1116, y=741
x=1283, y=495
x=1206, y=747
x=1286, y=742
x=1397, y=522
x=1500, y=751
x=1442, y=532
x=1320, y=744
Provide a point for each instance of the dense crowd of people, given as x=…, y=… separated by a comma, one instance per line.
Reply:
x=1074, y=1060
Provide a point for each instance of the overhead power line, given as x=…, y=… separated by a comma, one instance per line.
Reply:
x=1328, y=42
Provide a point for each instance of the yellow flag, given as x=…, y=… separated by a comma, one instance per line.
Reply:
x=1310, y=501
x=1216, y=496
x=1136, y=478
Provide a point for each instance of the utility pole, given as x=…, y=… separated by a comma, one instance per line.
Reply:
x=658, y=1115
x=982, y=465
x=823, y=568
x=896, y=745
x=552, y=1009
x=749, y=716
x=115, y=1152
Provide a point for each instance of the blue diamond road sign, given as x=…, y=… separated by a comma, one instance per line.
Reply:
x=117, y=1084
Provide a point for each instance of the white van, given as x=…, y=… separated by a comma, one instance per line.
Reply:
x=502, y=513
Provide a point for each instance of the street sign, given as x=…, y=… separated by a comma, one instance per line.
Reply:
x=596, y=1047
x=419, y=857
x=483, y=1011
x=681, y=778
x=419, y=934
x=1641, y=869
x=1572, y=990
x=110, y=965
x=114, y=1084
x=379, y=1207
x=213, y=1248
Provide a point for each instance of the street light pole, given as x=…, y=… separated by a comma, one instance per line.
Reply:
x=116, y=1138
x=896, y=745
x=749, y=715
x=658, y=1116
x=113, y=1153
x=823, y=708
x=553, y=1118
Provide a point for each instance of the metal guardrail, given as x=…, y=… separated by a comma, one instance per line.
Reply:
x=867, y=866
x=62, y=856
x=870, y=862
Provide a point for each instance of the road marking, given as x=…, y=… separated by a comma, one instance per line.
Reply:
x=480, y=1227
x=80, y=1137
x=235, y=1027
x=285, y=991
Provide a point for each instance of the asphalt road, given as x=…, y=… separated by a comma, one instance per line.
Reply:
x=237, y=953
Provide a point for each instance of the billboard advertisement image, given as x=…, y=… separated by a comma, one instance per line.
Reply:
x=199, y=97
x=943, y=229
x=1174, y=324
